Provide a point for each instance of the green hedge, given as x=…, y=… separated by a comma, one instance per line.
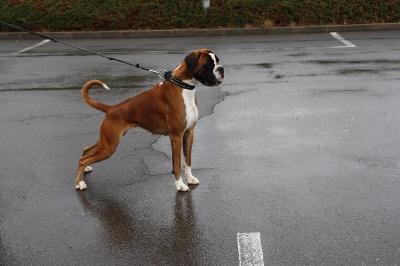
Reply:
x=77, y=15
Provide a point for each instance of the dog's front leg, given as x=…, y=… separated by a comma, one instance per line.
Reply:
x=187, y=152
x=176, y=144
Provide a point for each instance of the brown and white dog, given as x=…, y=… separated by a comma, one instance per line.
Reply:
x=166, y=109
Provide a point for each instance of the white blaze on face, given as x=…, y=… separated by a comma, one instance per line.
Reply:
x=192, y=114
x=216, y=66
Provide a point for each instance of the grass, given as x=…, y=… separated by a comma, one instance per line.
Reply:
x=90, y=15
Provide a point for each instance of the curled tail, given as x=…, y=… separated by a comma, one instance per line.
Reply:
x=85, y=95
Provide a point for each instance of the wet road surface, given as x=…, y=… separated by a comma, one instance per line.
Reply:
x=300, y=144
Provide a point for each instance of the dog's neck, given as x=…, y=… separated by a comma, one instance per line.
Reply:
x=183, y=73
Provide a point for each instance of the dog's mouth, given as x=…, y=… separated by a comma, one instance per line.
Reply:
x=213, y=84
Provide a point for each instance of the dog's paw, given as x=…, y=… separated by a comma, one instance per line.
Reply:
x=88, y=169
x=189, y=177
x=180, y=186
x=192, y=180
x=81, y=186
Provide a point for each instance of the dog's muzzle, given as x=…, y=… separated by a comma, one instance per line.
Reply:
x=219, y=75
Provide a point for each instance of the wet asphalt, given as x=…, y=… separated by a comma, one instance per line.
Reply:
x=300, y=144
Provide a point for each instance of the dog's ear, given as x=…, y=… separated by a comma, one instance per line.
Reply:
x=191, y=60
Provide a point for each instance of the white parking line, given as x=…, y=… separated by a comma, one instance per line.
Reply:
x=32, y=47
x=250, y=250
x=340, y=38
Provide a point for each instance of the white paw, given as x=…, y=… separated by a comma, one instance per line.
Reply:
x=189, y=177
x=88, y=169
x=192, y=180
x=81, y=186
x=180, y=186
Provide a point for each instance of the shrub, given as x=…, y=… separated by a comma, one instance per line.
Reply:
x=51, y=15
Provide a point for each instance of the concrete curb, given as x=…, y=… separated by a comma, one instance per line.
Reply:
x=201, y=32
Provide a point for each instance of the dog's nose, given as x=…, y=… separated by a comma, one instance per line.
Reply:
x=220, y=70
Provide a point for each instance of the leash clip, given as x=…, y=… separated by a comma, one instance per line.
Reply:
x=162, y=73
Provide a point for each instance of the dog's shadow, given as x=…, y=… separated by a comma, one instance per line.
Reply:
x=122, y=228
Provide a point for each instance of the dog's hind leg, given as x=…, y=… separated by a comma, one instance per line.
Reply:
x=89, y=150
x=110, y=136
x=85, y=161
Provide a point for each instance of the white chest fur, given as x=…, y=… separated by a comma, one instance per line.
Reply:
x=192, y=114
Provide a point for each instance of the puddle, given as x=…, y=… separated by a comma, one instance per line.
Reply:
x=251, y=66
x=357, y=71
x=354, y=62
x=114, y=82
x=337, y=91
x=377, y=162
x=264, y=65
x=345, y=90
x=298, y=54
x=42, y=89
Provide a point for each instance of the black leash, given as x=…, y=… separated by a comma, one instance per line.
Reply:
x=167, y=74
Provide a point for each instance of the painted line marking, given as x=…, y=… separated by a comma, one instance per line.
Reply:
x=343, y=40
x=250, y=250
x=32, y=47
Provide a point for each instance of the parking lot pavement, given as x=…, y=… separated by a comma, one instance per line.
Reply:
x=297, y=155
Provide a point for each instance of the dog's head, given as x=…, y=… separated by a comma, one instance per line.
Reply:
x=203, y=65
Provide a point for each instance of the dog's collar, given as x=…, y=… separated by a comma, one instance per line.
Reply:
x=168, y=77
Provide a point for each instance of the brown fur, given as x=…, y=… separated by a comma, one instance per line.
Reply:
x=160, y=110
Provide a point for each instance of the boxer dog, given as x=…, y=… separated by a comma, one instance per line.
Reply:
x=167, y=109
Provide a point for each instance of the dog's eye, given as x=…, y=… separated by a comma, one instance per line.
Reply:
x=210, y=65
